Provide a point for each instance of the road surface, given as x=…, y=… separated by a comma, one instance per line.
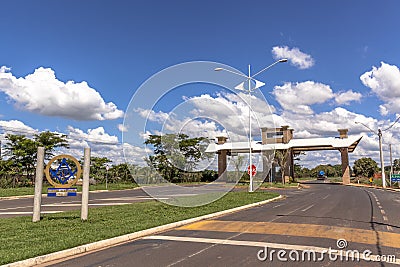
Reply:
x=322, y=217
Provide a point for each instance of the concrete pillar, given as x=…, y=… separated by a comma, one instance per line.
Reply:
x=37, y=200
x=343, y=133
x=345, y=165
x=222, y=158
x=85, y=185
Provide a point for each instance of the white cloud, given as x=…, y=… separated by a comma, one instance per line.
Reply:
x=97, y=135
x=122, y=128
x=41, y=92
x=384, y=81
x=294, y=55
x=16, y=127
x=346, y=97
x=297, y=97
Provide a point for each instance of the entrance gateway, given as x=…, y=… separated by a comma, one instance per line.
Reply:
x=282, y=139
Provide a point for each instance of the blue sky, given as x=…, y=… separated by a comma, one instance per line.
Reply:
x=115, y=46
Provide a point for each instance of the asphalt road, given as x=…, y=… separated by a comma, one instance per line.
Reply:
x=24, y=206
x=314, y=220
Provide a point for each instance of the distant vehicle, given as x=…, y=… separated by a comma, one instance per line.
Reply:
x=321, y=175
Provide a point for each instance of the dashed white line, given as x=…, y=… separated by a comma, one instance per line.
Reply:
x=309, y=207
x=325, y=197
x=385, y=218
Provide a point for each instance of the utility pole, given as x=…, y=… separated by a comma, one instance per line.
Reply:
x=391, y=165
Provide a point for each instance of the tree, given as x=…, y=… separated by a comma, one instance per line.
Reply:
x=281, y=157
x=365, y=167
x=396, y=165
x=50, y=141
x=98, y=167
x=175, y=153
x=22, y=152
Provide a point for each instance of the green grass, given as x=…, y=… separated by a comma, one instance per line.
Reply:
x=23, y=191
x=278, y=185
x=22, y=239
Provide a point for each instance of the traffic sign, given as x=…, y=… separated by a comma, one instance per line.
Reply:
x=395, y=177
x=253, y=171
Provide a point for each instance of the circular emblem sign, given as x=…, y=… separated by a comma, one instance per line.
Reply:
x=63, y=171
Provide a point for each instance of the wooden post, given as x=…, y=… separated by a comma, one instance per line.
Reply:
x=37, y=200
x=85, y=185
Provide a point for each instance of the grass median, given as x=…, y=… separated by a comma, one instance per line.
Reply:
x=22, y=239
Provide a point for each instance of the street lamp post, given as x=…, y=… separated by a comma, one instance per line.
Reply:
x=249, y=90
x=379, y=133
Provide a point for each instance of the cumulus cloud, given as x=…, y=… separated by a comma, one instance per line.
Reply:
x=41, y=92
x=97, y=135
x=122, y=128
x=346, y=97
x=384, y=81
x=294, y=55
x=17, y=127
x=297, y=97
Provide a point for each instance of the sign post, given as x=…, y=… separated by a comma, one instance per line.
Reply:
x=37, y=201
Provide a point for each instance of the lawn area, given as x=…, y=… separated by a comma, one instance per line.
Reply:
x=22, y=239
x=22, y=191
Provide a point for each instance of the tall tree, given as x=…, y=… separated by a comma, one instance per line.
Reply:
x=282, y=157
x=22, y=151
x=175, y=153
x=365, y=167
x=50, y=141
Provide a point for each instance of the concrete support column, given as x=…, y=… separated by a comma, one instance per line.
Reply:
x=37, y=200
x=222, y=158
x=85, y=185
x=345, y=165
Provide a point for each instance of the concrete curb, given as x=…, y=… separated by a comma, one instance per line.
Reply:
x=375, y=187
x=128, y=237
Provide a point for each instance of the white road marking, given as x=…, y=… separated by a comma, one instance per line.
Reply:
x=27, y=212
x=16, y=208
x=264, y=245
x=389, y=228
x=385, y=218
x=90, y=204
x=383, y=212
x=277, y=206
x=309, y=207
x=325, y=197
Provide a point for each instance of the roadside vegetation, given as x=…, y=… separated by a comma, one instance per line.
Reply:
x=22, y=239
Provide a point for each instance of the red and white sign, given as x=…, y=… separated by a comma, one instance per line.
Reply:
x=253, y=171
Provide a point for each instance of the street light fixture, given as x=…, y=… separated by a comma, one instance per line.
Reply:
x=249, y=90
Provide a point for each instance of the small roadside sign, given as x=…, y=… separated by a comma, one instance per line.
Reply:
x=253, y=170
x=395, y=177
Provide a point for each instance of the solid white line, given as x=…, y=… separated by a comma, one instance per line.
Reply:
x=27, y=212
x=309, y=207
x=262, y=245
x=15, y=208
